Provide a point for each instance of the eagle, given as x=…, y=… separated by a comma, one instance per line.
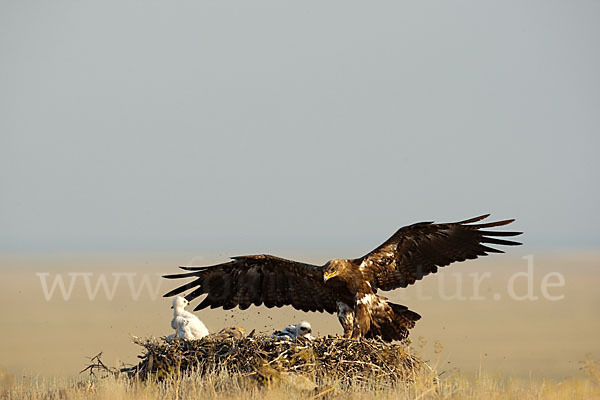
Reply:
x=347, y=287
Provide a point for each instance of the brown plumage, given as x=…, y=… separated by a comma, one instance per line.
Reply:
x=347, y=287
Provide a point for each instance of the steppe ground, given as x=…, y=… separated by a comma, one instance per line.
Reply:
x=497, y=334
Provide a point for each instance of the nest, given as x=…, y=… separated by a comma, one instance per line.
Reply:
x=266, y=358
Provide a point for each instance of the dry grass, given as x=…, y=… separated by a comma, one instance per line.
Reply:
x=221, y=383
x=424, y=384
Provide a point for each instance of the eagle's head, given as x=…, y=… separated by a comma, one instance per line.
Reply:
x=334, y=268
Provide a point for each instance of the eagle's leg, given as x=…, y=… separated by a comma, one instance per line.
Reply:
x=362, y=315
x=346, y=316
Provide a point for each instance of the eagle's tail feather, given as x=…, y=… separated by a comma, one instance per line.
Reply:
x=393, y=325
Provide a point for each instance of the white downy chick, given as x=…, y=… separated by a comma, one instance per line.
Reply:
x=187, y=325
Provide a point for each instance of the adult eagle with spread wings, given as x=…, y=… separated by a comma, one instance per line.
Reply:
x=347, y=287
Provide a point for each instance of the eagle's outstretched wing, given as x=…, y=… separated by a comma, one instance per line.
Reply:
x=260, y=279
x=419, y=249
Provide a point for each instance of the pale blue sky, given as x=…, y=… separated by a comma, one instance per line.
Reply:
x=273, y=126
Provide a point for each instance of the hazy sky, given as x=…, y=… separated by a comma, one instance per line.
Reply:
x=274, y=126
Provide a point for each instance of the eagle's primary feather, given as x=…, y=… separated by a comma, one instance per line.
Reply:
x=348, y=287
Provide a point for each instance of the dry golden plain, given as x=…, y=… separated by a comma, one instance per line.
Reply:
x=480, y=331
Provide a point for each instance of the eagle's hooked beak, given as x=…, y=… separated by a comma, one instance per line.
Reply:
x=328, y=275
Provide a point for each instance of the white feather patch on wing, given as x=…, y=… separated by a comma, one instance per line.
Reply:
x=366, y=299
x=364, y=265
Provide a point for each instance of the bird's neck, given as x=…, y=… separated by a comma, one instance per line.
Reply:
x=178, y=310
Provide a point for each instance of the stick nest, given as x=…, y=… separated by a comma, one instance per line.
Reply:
x=266, y=358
